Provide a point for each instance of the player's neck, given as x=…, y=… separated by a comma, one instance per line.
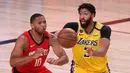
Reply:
x=37, y=37
x=90, y=27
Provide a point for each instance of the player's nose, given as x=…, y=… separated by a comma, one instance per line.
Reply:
x=82, y=16
x=42, y=24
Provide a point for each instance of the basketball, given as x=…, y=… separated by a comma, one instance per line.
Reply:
x=67, y=37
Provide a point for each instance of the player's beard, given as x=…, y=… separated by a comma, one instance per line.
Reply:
x=86, y=24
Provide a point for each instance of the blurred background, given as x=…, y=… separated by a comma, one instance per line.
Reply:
x=15, y=16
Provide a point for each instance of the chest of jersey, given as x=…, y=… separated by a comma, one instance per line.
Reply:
x=33, y=47
x=88, y=40
x=84, y=41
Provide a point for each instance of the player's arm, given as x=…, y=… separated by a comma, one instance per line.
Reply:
x=16, y=58
x=59, y=51
x=104, y=43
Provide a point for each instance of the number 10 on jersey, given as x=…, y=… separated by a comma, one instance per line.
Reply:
x=38, y=62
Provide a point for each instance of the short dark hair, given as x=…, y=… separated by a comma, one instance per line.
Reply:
x=34, y=16
x=87, y=6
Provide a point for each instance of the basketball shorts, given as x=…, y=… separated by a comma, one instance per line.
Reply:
x=77, y=69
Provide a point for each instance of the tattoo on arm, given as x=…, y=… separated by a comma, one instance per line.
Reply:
x=52, y=36
x=52, y=40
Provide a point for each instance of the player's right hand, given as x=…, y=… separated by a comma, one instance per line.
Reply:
x=89, y=51
x=37, y=53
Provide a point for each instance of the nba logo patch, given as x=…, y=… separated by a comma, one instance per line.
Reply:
x=81, y=31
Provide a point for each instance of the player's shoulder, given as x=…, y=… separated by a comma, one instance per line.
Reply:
x=102, y=26
x=26, y=33
x=106, y=28
x=24, y=36
x=52, y=36
x=106, y=31
x=72, y=25
x=52, y=39
x=21, y=41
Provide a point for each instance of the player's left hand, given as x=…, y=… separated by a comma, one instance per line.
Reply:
x=90, y=51
x=52, y=61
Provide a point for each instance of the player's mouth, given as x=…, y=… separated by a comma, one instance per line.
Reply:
x=43, y=29
x=83, y=21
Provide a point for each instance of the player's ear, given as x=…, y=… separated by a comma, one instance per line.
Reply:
x=93, y=15
x=32, y=25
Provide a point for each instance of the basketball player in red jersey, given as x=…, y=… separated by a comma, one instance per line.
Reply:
x=32, y=47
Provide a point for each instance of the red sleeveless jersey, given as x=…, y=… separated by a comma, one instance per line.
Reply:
x=36, y=65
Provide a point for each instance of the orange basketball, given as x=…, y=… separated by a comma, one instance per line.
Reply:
x=67, y=37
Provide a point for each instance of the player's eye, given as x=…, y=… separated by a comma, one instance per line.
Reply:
x=80, y=13
x=86, y=13
x=44, y=21
x=39, y=22
x=83, y=13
